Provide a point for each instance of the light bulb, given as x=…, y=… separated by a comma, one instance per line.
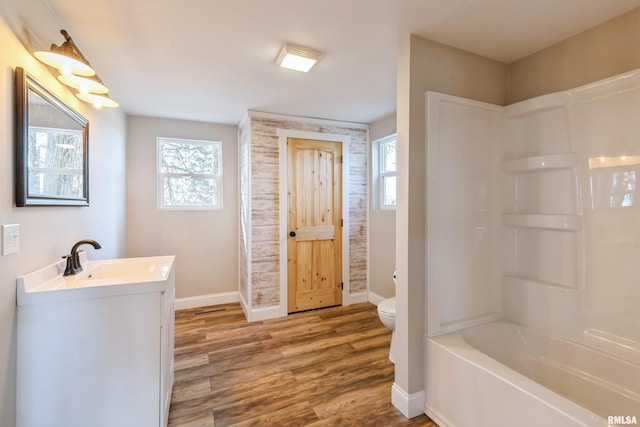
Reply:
x=65, y=68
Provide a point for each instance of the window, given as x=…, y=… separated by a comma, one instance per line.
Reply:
x=387, y=172
x=189, y=174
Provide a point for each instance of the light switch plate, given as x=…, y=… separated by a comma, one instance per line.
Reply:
x=10, y=239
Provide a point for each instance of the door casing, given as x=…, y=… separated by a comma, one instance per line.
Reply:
x=345, y=140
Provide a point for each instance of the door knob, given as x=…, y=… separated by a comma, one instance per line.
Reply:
x=292, y=234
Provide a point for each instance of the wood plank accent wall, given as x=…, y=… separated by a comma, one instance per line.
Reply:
x=263, y=186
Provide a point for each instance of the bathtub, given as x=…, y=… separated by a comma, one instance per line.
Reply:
x=502, y=374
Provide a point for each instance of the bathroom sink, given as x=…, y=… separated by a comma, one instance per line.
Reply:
x=127, y=270
x=98, y=278
x=107, y=331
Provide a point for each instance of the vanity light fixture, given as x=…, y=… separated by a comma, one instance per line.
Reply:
x=76, y=72
x=296, y=57
x=84, y=84
x=98, y=101
x=66, y=58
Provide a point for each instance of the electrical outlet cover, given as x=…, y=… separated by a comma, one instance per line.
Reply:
x=10, y=239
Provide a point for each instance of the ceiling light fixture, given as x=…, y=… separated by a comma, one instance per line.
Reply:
x=299, y=58
x=76, y=72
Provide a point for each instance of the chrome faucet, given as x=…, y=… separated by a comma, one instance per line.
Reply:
x=73, y=260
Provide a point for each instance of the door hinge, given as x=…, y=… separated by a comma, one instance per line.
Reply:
x=341, y=222
x=342, y=286
x=341, y=159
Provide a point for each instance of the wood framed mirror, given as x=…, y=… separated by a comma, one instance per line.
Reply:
x=52, y=143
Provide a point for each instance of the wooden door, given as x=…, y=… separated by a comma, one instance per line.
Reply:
x=315, y=224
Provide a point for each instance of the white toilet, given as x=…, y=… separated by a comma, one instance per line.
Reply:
x=387, y=314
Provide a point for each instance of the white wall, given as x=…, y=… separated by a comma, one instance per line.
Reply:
x=205, y=242
x=424, y=65
x=610, y=48
x=49, y=232
x=382, y=226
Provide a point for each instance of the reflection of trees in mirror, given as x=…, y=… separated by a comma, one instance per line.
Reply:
x=55, y=162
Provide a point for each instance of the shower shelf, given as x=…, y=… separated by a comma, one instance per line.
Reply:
x=541, y=163
x=543, y=221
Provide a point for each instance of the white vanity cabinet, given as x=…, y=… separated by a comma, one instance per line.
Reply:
x=166, y=352
x=99, y=356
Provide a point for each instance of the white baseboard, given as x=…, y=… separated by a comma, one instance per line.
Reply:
x=206, y=300
x=244, y=305
x=264, y=313
x=259, y=313
x=252, y=315
x=410, y=405
x=375, y=299
x=435, y=417
x=356, y=298
x=273, y=312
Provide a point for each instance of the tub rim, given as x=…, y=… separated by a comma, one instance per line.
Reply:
x=455, y=344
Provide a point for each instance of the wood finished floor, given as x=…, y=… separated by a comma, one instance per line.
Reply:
x=325, y=367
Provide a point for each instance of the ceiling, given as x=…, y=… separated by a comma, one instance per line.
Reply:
x=212, y=60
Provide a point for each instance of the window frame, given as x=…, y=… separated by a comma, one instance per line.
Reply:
x=382, y=174
x=218, y=177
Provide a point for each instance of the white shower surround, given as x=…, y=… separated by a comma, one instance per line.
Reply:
x=532, y=217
